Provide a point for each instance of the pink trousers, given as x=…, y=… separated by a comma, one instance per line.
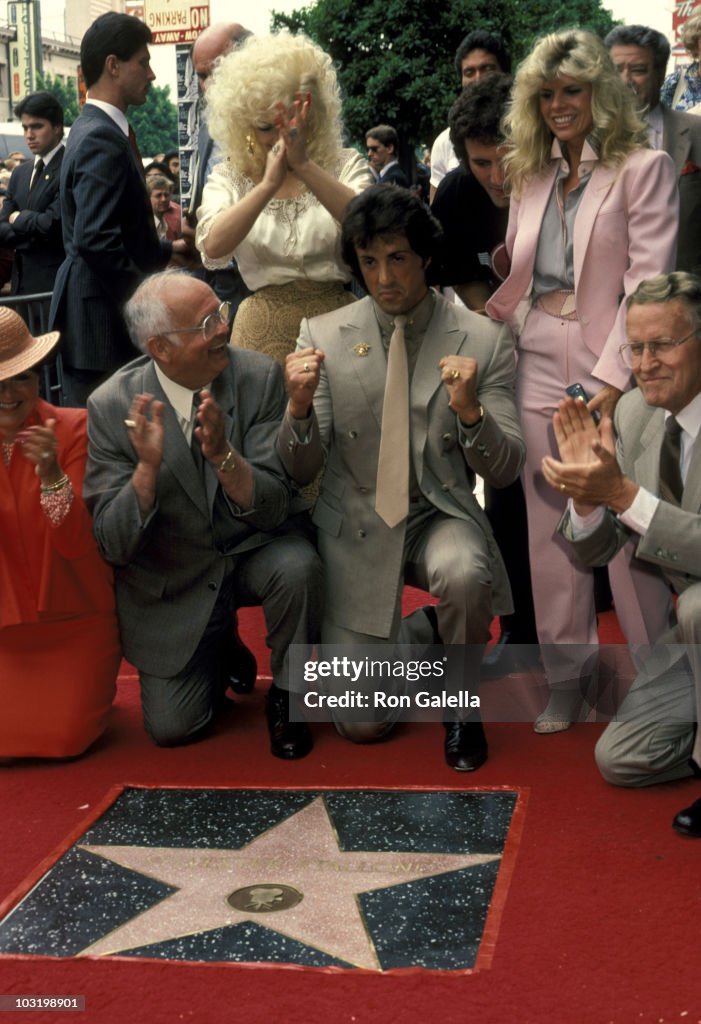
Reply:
x=551, y=356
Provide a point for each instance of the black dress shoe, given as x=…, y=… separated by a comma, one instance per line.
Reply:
x=288, y=740
x=688, y=821
x=508, y=656
x=243, y=667
x=465, y=745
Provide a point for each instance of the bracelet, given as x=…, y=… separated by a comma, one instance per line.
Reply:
x=58, y=486
x=228, y=463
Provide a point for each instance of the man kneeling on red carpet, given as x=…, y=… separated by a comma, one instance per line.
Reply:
x=397, y=501
x=192, y=508
x=648, y=484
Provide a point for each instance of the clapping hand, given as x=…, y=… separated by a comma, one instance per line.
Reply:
x=145, y=426
x=209, y=429
x=38, y=444
x=293, y=128
x=587, y=470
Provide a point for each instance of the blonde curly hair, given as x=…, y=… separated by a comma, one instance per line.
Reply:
x=266, y=70
x=617, y=128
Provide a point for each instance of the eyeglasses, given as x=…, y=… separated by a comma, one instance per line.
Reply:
x=373, y=149
x=632, y=354
x=211, y=323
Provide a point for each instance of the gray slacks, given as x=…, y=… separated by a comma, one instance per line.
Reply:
x=653, y=738
x=449, y=558
x=284, y=577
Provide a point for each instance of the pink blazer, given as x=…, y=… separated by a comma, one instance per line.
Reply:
x=625, y=231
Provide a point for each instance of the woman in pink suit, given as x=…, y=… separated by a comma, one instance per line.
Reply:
x=593, y=212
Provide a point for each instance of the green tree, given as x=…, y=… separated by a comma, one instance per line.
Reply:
x=395, y=57
x=155, y=123
x=67, y=95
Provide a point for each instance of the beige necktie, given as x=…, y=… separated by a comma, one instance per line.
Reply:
x=392, y=492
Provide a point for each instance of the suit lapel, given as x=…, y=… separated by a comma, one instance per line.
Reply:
x=365, y=354
x=23, y=178
x=51, y=171
x=691, y=498
x=443, y=337
x=602, y=179
x=176, y=452
x=532, y=211
x=647, y=465
x=675, y=139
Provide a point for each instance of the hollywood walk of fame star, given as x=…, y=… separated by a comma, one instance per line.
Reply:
x=301, y=852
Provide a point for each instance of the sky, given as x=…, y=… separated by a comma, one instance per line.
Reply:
x=255, y=15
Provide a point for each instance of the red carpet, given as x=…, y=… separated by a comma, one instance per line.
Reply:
x=599, y=926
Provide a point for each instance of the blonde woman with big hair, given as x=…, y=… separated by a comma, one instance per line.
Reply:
x=593, y=212
x=276, y=202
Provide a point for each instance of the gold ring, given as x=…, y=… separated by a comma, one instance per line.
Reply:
x=130, y=424
x=562, y=488
x=306, y=368
x=454, y=374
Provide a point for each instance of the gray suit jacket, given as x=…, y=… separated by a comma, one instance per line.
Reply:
x=168, y=571
x=362, y=556
x=673, y=541
x=682, y=140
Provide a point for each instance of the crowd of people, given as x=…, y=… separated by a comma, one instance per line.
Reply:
x=310, y=320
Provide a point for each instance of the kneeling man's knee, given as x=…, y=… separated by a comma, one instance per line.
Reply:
x=609, y=761
x=625, y=757
x=363, y=732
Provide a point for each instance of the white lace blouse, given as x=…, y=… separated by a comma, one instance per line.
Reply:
x=291, y=238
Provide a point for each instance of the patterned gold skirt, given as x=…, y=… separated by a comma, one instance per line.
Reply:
x=269, y=320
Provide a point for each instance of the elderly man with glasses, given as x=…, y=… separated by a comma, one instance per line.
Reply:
x=193, y=509
x=648, y=483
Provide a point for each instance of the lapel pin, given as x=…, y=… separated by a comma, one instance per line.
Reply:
x=361, y=349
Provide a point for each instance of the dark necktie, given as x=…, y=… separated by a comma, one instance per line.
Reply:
x=38, y=171
x=195, y=447
x=135, y=149
x=671, y=485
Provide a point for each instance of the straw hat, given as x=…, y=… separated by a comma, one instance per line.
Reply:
x=19, y=350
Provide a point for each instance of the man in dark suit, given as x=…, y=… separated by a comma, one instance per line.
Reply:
x=397, y=498
x=214, y=42
x=472, y=205
x=648, y=485
x=30, y=220
x=192, y=507
x=108, y=230
x=382, y=144
x=641, y=55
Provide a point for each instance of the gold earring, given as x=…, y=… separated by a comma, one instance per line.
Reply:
x=250, y=144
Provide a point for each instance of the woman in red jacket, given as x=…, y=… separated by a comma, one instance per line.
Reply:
x=59, y=642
